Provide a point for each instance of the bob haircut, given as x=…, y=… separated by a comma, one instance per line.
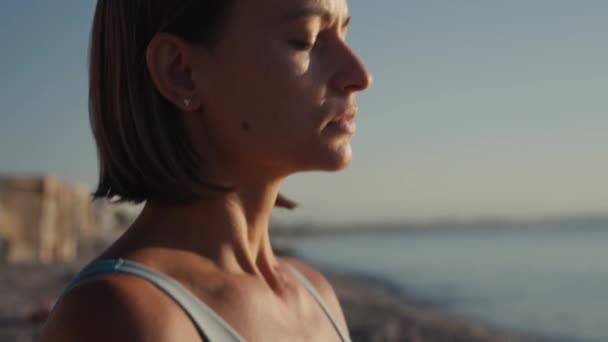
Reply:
x=142, y=146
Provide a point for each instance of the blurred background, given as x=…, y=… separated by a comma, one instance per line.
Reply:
x=478, y=186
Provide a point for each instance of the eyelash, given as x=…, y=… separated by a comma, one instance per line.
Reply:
x=304, y=45
x=301, y=45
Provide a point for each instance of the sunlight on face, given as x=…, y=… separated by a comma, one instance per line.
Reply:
x=279, y=90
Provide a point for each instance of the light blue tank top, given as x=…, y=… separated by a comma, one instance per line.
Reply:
x=209, y=324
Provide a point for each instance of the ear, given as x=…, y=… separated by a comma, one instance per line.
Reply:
x=169, y=60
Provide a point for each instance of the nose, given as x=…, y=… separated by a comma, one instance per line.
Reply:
x=352, y=75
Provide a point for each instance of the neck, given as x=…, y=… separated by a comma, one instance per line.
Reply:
x=230, y=229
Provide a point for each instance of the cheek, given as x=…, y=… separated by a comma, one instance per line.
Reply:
x=300, y=63
x=289, y=103
x=268, y=105
x=280, y=92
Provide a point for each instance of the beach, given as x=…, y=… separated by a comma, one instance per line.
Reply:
x=374, y=311
x=377, y=311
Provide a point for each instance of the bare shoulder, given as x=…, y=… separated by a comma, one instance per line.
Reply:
x=117, y=308
x=323, y=286
x=313, y=275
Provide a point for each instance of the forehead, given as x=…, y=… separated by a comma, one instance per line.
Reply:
x=335, y=7
x=294, y=8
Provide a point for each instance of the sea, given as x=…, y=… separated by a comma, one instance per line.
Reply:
x=544, y=281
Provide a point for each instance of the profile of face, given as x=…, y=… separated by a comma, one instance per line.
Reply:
x=276, y=95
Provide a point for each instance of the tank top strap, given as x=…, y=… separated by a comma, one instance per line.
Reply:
x=209, y=324
x=315, y=294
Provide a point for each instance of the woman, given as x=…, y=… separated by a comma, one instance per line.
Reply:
x=201, y=108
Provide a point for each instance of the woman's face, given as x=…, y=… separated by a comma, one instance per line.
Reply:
x=278, y=91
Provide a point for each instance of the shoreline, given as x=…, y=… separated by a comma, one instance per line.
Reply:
x=375, y=309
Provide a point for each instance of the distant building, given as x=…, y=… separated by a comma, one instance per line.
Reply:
x=43, y=219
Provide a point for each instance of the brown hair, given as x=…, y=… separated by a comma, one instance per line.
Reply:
x=143, y=149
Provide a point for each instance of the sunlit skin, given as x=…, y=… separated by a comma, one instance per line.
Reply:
x=276, y=96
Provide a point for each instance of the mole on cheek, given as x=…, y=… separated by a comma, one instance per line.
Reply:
x=245, y=126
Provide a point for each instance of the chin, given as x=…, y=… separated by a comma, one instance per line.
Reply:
x=333, y=156
x=338, y=166
x=337, y=158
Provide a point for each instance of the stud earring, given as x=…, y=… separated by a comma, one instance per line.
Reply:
x=187, y=102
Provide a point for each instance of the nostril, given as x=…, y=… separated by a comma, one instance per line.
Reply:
x=366, y=78
x=359, y=82
x=354, y=77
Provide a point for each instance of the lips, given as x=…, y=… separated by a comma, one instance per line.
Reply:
x=344, y=123
x=347, y=115
x=344, y=117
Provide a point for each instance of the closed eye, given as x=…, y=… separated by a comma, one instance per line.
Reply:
x=302, y=45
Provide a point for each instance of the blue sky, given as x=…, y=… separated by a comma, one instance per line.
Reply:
x=479, y=108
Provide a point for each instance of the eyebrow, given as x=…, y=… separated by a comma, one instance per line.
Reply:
x=315, y=12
